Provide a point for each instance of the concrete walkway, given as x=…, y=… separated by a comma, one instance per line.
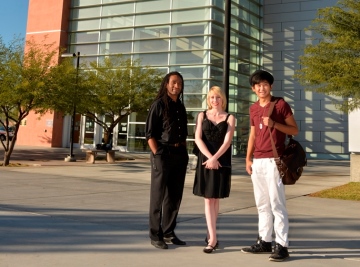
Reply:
x=56, y=213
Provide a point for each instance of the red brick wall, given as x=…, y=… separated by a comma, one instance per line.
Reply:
x=46, y=18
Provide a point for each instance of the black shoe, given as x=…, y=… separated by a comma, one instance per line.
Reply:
x=280, y=253
x=259, y=247
x=173, y=239
x=216, y=245
x=159, y=244
x=209, y=249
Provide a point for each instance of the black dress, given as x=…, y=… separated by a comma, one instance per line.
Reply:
x=213, y=183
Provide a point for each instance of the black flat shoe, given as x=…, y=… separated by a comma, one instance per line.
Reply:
x=216, y=245
x=159, y=244
x=209, y=249
x=173, y=239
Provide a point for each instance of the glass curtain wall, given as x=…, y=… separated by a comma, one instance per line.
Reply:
x=182, y=35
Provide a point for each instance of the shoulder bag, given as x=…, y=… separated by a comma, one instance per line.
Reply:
x=292, y=161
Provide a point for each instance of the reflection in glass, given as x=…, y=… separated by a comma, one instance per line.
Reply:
x=157, y=59
x=117, y=22
x=191, y=72
x=118, y=9
x=193, y=101
x=137, y=140
x=85, y=12
x=83, y=25
x=189, y=29
x=154, y=18
x=152, y=32
x=192, y=57
x=116, y=35
x=122, y=132
x=190, y=15
x=89, y=131
x=88, y=49
x=151, y=45
x=154, y=5
x=189, y=43
x=190, y=3
x=86, y=2
x=115, y=48
x=85, y=37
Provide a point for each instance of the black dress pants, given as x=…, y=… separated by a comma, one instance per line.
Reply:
x=168, y=171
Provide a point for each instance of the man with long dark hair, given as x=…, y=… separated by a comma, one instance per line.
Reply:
x=166, y=132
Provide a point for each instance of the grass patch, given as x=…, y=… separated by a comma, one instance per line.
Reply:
x=350, y=191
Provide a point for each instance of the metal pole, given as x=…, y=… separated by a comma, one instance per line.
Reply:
x=72, y=157
x=226, y=51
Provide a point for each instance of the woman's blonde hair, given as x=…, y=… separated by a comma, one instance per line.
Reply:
x=216, y=90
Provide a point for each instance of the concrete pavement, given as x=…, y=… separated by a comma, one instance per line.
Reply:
x=56, y=213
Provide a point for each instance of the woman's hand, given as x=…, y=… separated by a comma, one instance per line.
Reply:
x=212, y=164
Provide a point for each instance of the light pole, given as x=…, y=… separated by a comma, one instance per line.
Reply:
x=71, y=157
x=226, y=51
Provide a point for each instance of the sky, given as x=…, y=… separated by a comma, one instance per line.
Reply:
x=13, y=18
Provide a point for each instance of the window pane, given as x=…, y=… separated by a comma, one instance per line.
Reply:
x=156, y=18
x=191, y=15
x=152, y=32
x=112, y=1
x=146, y=6
x=89, y=131
x=138, y=116
x=192, y=57
x=153, y=59
x=192, y=72
x=85, y=25
x=90, y=49
x=85, y=12
x=254, y=33
x=216, y=73
x=217, y=44
x=85, y=37
x=151, y=45
x=86, y=2
x=220, y=3
x=218, y=16
x=192, y=101
x=190, y=43
x=87, y=59
x=118, y=9
x=217, y=59
x=117, y=22
x=194, y=86
x=191, y=115
x=116, y=35
x=188, y=29
x=101, y=59
x=190, y=3
x=115, y=48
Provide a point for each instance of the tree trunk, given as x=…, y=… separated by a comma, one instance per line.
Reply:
x=108, y=141
x=8, y=149
x=6, y=158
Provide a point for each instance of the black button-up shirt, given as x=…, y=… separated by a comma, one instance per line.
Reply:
x=171, y=132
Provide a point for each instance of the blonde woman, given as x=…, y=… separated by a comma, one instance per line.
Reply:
x=213, y=135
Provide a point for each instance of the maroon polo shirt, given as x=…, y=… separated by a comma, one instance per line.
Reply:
x=263, y=148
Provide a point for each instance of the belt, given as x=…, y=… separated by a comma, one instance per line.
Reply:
x=175, y=144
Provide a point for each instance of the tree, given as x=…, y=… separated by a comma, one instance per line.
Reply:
x=332, y=64
x=118, y=87
x=24, y=81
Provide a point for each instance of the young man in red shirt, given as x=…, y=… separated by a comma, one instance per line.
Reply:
x=269, y=190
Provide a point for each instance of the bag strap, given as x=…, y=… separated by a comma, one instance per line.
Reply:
x=271, y=108
x=276, y=155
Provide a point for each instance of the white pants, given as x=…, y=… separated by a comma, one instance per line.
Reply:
x=270, y=201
